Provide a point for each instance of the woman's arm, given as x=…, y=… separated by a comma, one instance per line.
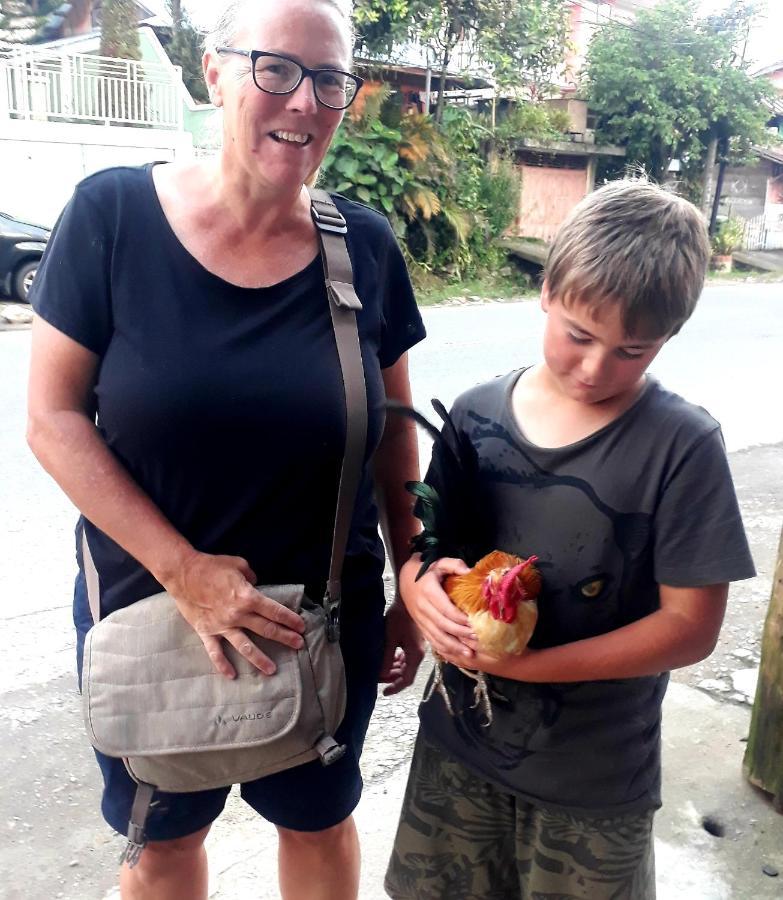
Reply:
x=683, y=631
x=397, y=461
x=215, y=594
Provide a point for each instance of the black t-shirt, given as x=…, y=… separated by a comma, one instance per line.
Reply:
x=646, y=500
x=225, y=404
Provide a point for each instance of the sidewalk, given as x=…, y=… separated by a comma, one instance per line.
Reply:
x=702, y=777
x=14, y=315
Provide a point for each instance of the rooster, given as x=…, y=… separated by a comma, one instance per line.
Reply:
x=499, y=593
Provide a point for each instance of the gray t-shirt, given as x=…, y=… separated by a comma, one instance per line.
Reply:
x=646, y=500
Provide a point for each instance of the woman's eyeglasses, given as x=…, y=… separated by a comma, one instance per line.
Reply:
x=276, y=74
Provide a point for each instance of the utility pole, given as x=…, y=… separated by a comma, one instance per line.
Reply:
x=723, y=161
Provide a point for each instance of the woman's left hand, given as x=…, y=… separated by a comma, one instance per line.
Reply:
x=404, y=650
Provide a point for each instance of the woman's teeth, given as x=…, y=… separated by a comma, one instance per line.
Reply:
x=291, y=136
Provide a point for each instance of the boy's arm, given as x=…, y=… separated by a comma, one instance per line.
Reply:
x=397, y=461
x=683, y=631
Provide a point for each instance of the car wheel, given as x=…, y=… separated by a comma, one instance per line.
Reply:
x=23, y=279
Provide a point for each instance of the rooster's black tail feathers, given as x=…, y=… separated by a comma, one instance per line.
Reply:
x=447, y=502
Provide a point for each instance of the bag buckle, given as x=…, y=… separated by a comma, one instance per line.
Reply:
x=328, y=219
x=332, y=609
x=329, y=750
x=343, y=295
x=136, y=843
x=137, y=838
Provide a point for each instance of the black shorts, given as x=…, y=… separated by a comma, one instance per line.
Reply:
x=310, y=797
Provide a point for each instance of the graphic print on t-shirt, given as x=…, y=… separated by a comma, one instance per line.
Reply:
x=586, y=549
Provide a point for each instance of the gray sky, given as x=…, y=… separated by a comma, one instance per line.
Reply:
x=765, y=46
x=766, y=42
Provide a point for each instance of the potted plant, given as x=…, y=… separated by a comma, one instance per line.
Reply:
x=728, y=237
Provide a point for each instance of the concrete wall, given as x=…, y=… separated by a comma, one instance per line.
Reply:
x=41, y=162
x=576, y=109
x=745, y=190
x=548, y=195
x=202, y=120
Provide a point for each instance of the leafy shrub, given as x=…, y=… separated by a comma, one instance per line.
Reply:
x=499, y=197
x=535, y=121
x=431, y=180
x=364, y=164
x=728, y=237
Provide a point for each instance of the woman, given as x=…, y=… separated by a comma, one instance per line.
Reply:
x=185, y=304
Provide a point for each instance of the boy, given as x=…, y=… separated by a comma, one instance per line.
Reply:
x=622, y=490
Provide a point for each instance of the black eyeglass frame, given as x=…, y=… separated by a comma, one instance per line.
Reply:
x=304, y=72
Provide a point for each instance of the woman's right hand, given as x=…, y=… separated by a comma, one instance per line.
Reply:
x=217, y=598
x=444, y=625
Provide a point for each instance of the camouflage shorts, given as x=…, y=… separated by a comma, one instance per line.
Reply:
x=461, y=838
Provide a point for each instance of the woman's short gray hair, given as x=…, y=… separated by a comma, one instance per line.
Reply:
x=224, y=30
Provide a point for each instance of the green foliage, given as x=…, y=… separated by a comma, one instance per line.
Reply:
x=119, y=30
x=364, y=164
x=431, y=181
x=499, y=282
x=531, y=120
x=464, y=136
x=21, y=21
x=382, y=23
x=518, y=40
x=185, y=50
x=524, y=40
x=728, y=237
x=499, y=197
x=665, y=87
x=375, y=163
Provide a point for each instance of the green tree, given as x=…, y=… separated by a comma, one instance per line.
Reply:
x=517, y=41
x=382, y=23
x=672, y=85
x=521, y=42
x=119, y=30
x=525, y=41
x=185, y=50
x=21, y=21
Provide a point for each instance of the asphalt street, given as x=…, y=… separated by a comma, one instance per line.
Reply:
x=52, y=840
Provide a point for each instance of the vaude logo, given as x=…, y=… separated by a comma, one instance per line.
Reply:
x=242, y=717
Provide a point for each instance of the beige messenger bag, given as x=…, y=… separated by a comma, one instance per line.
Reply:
x=150, y=693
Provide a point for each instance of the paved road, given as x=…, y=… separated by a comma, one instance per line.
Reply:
x=727, y=357
x=50, y=834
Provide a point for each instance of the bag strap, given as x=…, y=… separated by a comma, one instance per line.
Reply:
x=91, y=577
x=343, y=306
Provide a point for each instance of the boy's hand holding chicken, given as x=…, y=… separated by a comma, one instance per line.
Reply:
x=444, y=625
x=460, y=610
x=473, y=617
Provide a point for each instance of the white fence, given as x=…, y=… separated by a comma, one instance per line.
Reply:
x=764, y=233
x=37, y=85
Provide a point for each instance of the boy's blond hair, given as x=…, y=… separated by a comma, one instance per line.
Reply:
x=632, y=244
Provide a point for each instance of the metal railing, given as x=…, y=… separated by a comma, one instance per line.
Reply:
x=465, y=57
x=764, y=233
x=56, y=86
